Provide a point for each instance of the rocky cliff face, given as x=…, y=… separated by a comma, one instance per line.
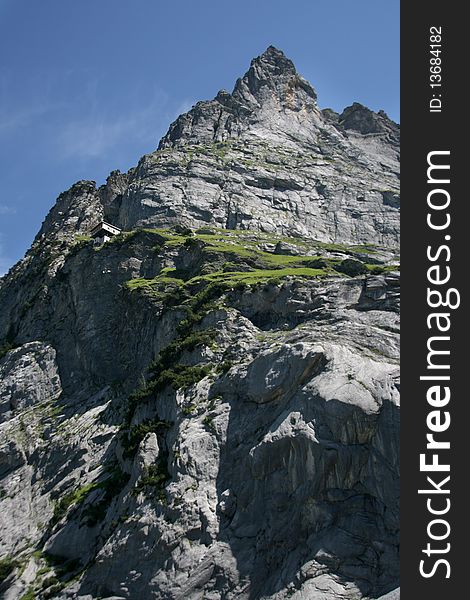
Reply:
x=206, y=407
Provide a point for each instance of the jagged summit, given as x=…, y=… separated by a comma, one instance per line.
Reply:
x=270, y=65
x=276, y=59
x=266, y=157
x=274, y=95
x=269, y=68
x=266, y=68
x=272, y=70
x=271, y=84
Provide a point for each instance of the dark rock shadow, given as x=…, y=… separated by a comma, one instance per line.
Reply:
x=292, y=508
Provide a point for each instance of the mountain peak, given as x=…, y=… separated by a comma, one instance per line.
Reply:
x=275, y=61
x=271, y=83
x=271, y=72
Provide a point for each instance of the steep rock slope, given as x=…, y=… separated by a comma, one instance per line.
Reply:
x=207, y=405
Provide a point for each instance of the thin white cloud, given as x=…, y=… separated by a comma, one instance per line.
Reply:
x=7, y=210
x=5, y=261
x=183, y=107
x=96, y=134
x=5, y=264
x=14, y=120
x=86, y=126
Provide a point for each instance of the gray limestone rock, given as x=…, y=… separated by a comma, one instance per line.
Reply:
x=28, y=376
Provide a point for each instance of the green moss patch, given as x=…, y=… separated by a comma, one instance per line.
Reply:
x=178, y=376
x=7, y=566
x=238, y=256
x=75, y=498
x=153, y=481
x=165, y=276
x=5, y=348
x=111, y=486
x=232, y=278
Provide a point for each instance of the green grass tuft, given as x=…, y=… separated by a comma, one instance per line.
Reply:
x=82, y=238
x=153, y=481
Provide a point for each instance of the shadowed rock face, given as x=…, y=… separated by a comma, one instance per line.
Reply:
x=211, y=413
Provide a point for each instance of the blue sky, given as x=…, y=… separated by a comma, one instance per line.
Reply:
x=88, y=86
